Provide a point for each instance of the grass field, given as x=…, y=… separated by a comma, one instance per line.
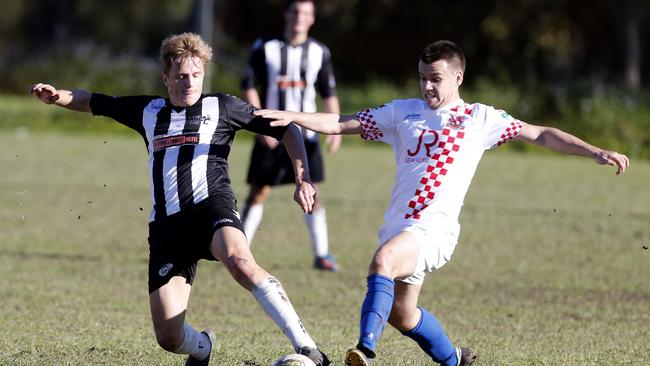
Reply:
x=552, y=266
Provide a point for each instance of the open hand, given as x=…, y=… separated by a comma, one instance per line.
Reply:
x=282, y=118
x=613, y=158
x=46, y=93
x=305, y=195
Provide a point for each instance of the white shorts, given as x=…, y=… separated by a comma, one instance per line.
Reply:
x=436, y=247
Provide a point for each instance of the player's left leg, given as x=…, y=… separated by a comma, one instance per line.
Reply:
x=229, y=246
x=420, y=325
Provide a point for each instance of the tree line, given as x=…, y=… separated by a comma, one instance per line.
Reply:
x=525, y=42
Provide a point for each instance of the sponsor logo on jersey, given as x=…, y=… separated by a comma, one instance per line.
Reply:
x=506, y=116
x=154, y=107
x=197, y=120
x=284, y=83
x=429, y=140
x=413, y=116
x=222, y=221
x=164, y=142
x=164, y=270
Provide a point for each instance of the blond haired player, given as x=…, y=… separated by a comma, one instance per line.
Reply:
x=188, y=137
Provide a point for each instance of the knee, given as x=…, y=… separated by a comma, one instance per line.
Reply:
x=242, y=269
x=258, y=195
x=382, y=263
x=169, y=338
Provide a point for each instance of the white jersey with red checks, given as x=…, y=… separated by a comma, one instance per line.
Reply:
x=437, y=152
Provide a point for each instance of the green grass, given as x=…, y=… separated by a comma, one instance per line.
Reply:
x=550, y=270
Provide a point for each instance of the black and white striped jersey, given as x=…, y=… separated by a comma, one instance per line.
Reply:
x=288, y=76
x=188, y=147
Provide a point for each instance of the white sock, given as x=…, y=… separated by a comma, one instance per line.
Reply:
x=317, y=225
x=196, y=344
x=272, y=297
x=252, y=219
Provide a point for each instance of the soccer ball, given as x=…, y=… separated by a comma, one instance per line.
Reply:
x=293, y=359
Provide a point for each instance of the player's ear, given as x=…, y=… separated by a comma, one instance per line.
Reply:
x=164, y=78
x=459, y=77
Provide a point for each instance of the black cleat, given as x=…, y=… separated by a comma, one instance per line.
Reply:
x=465, y=356
x=319, y=358
x=326, y=263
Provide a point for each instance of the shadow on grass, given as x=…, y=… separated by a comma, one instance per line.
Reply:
x=52, y=256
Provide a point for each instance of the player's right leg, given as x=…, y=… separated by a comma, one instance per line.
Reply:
x=397, y=258
x=168, y=306
x=253, y=210
x=230, y=247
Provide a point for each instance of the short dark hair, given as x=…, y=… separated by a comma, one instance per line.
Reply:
x=443, y=50
x=288, y=3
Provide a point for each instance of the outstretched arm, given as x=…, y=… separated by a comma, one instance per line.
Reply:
x=331, y=105
x=305, y=192
x=563, y=142
x=326, y=123
x=76, y=100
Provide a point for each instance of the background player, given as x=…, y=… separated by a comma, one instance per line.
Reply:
x=194, y=216
x=288, y=70
x=438, y=141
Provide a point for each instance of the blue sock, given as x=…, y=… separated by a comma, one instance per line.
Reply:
x=430, y=336
x=374, y=311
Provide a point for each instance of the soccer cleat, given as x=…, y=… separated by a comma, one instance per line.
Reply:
x=326, y=263
x=355, y=357
x=319, y=358
x=465, y=356
x=191, y=361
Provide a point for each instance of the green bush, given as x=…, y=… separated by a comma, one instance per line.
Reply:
x=67, y=68
x=607, y=118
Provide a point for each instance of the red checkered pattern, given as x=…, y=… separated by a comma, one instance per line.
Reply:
x=440, y=162
x=466, y=110
x=369, y=126
x=511, y=132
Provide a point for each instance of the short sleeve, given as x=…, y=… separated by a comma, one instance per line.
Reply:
x=377, y=123
x=126, y=110
x=239, y=115
x=500, y=127
x=325, y=81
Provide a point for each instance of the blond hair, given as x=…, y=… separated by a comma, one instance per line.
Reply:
x=184, y=46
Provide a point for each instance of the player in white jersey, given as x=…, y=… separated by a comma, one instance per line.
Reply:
x=438, y=141
x=188, y=136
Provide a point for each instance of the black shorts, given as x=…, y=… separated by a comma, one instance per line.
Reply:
x=177, y=242
x=271, y=167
